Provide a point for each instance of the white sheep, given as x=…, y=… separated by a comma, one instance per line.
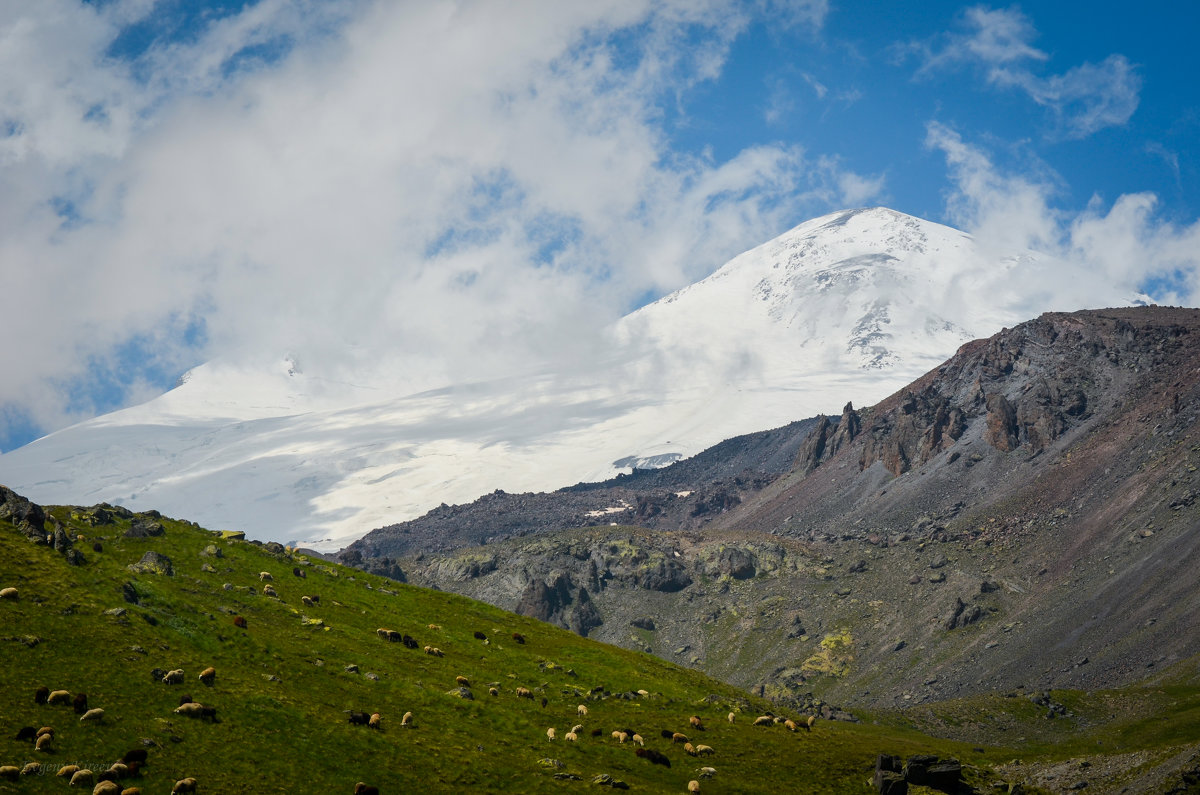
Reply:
x=43, y=742
x=184, y=785
x=66, y=771
x=82, y=778
x=571, y=737
x=407, y=720
x=59, y=697
x=731, y=717
x=811, y=720
x=637, y=738
x=32, y=769
x=704, y=750
x=265, y=576
x=107, y=788
x=707, y=772
x=693, y=786
x=764, y=720
x=578, y=727
x=172, y=677
x=550, y=733
x=581, y=710
x=92, y=716
x=375, y=721
x=9, y=593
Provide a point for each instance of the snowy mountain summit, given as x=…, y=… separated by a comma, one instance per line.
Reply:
x=850, y=306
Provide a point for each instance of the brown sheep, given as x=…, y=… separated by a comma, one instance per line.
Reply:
x=80, y=703
x=239, y=622
x=407, y=720
x=375, y=721
x=676, y=737
x=697, y=724
x=58, y=697
x=184, y=785
x=82, y=778
x=693, y=786
x=809, y=723
x=43, y=742
x=9, y=593
x=462, y=680
x=107, y=788
x=689, y=749
x=208, y=675
x=10, y=772
x=92, y=716
x=518, y=637
x=790, y=725
x=41, y=694
x=524, y=692
x=66, y=771
x=138, y=755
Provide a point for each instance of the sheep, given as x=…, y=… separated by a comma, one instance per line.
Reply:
x=655, y=757
x=550, y=733
x=666, y=734
x=790, y=725
x=32, y=769
x=435, y=627
x=97, y=547
x=186, y=698
x=731, y=717
x=407, y=720
x=135, y=755
x=524, y=692
x=697, y=724
x=375, y=721
x=26, y=734
x=463, y=681
x=92, y=716
x=208, y=675
x=269, y=590
x=704, y=750
x=689, y=749
x=388, y=634
x=597, y=732
x=433, y=650
x=66, y=771
x=764, y=720
x=578, y=727
x=492, y=691
x=10, y=593
x=544, y=702
x=119, y=769
x=307, y=601
x=693, y=786
x=10, y=772
x=581, y=710
x=184, y=785
x=43, y=742
x=239, y=622
x=189, y=710
x=707, y=772
x=643, y=693
x=676, y=737
x=41, y=694
x=480, y=636
x=357, y=718
x=365, y=789
x=80, y=703
x=107, y=788
x=174, y=677
x=265, y=576
x=620, y=736
x=82, y=778
x=571, y=737
x=44, y=730
x=57, y=697
x=298, y=573
x=518, y=637
x=409, y=643
x=809, y=723
x=132, y=791
x=638, y=739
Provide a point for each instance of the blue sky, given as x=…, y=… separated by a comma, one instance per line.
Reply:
x=441, y=189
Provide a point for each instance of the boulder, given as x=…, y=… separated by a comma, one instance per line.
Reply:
x=144, y=528
x=153, y=563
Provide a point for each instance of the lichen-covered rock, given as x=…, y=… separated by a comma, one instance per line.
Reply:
x=144, y=528
x=153, y=563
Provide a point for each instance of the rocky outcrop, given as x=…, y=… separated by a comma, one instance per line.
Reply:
x=153, y=563
x=26, y=516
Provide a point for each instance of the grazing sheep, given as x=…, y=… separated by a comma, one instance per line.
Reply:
x=524, y=692
x=571, y=737
x=375, y=721
x=518, y=637
x=435, y=627
x=436, y=652
x=480, y=636
x=689, y=749
x=41, y=694
x=666, y=734
x=307, y=601
x=32, y=769
x=239, y=622
x=790, y=725
x=578, y=727
x=704, y=750
x=82, y=778
x=550, y=733
x=656, y=757
x=693, y=786
x=119, y=769
x=358, y=718
x=676, y=737
x=462, y=680
x=173, y=677
x=107, y=788
x=66, y=771
x=298, y=573
x=136, y=755
x=809, y=723
x=44, y=730
x=43, y=742
x=697, y=724
x=637, y=738
x=269, y=590
x=265, y=576
x=189, y=710
x=26, y=734
x=365, y=789
x=581, y=710
x=407, y=720
x=620, y=736
x=80, y=703
x=92, y=716
x=184, y=785
x=764, y=720
x=208, y=675
x=409, y=643
x=132, y=791
x=388, y=634
x=731, y=717
x=57, y=697
x=10, y=772
x=10, y=593
x=492, y=691
x=707, y=772
x=643, y=693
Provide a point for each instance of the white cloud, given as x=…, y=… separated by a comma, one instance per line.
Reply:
x=1083, y=100
x=411, y=191
x=1104, y=255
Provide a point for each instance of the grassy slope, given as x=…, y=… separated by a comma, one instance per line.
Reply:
x=282, y=687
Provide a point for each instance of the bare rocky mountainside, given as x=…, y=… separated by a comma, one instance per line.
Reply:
x=1024, y=516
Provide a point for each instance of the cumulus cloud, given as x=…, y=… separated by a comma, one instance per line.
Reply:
x=1084, y=99
x=406, y=192
x=1103, y=254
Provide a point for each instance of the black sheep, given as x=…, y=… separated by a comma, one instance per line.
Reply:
x=137, y=755
x=26, y=733
x=667, y=734
x=80, y=703
x=518, y=637
x=479, y=635
x=657, y=757
x=41, y=694
x=365, y=789
x=358, y=718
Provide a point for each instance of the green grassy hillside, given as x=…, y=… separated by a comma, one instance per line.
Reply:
x=284, y=683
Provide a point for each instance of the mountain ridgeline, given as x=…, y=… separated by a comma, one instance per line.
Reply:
x=1026, y=515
